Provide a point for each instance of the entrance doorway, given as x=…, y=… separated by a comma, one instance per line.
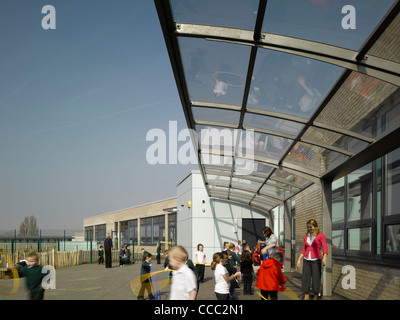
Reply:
x=252, y=230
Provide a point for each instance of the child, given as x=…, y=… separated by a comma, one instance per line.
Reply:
x=158, y=252
x=248, y=247
x=222, y=279
x=128, y=254
x=235, y=257
x=191, y=266
x=226, y=245
x=145, y=277
x=200, y=261
x=122, y=256
x=34, y=276
x=143, y=252
x=101, y=255
x=246, y=267
x=167, y=265
x=231, y=268
x=184, y=282
x=270, y=277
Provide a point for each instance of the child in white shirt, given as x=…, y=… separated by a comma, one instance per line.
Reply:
x=222, y=278
x=184, y=282
x=200, y=256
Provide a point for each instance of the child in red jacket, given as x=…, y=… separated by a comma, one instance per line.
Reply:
x=270, y=278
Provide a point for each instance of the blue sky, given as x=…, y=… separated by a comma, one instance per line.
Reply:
x=76, y=104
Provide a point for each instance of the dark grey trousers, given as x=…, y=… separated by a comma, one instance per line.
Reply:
x=311, y=272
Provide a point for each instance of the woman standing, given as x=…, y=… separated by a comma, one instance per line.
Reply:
x=314, y=240
x=271, y=242
x=107, y=250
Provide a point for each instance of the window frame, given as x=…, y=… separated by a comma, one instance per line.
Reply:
x=378, y=223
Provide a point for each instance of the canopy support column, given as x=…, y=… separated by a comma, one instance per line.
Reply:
x=326, y=187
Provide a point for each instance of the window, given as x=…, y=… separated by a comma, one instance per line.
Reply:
x=366, y=212
x=338, y=201
x=391, y=218
x=145, y=231
x=338, y=239
x=279, y=230
x=133, y=231
x=393, y=183
x=172, y=228
x=152, y=230
x=100, y=233
x=359, y=239
x=158, y=229
x=88, y=233
x=360, y=194
x=128, y=231
x=392, y=240
x=123, y=229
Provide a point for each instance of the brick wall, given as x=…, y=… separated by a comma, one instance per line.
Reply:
x=371, y=282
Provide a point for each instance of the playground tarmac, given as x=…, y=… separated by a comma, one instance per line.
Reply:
x=95, y=282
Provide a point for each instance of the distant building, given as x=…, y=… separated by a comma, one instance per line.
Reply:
x=143, y=225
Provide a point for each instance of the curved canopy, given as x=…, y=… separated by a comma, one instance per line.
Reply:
x=284, y=93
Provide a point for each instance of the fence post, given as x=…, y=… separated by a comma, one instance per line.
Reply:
x=39, y=240
x=133, y=250
x=91, y=240
x=15, y=240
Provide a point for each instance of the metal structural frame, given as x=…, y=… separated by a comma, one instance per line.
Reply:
x=228, y=185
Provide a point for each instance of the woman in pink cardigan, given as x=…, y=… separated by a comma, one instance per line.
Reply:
x=314, y=240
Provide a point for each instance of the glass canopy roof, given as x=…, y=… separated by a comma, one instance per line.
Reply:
x=281, y=93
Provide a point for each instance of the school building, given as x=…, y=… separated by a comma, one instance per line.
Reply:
x=141, y=226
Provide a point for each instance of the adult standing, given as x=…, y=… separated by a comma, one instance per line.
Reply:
x=107, y=250
x=314, y=240
x=271, y=242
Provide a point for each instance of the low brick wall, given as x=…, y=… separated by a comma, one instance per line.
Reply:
x=372, y=282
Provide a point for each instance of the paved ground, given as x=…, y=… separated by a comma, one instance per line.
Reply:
x=95, y=282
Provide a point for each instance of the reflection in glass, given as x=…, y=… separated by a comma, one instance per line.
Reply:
x=266, y=146
x=218, y=180
x=342, y=141
x=216, y=115
x=272, y=124
x=360, y=194
x=244, y=166
x=338, y=201
x=392, y=240
x=274, y=191
x=363, y=105
x=359, y=239
x=245, y=184
x=338, y=239
x=218, y=139
x=393, y=183
x=290, y=84
x=214, y=71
